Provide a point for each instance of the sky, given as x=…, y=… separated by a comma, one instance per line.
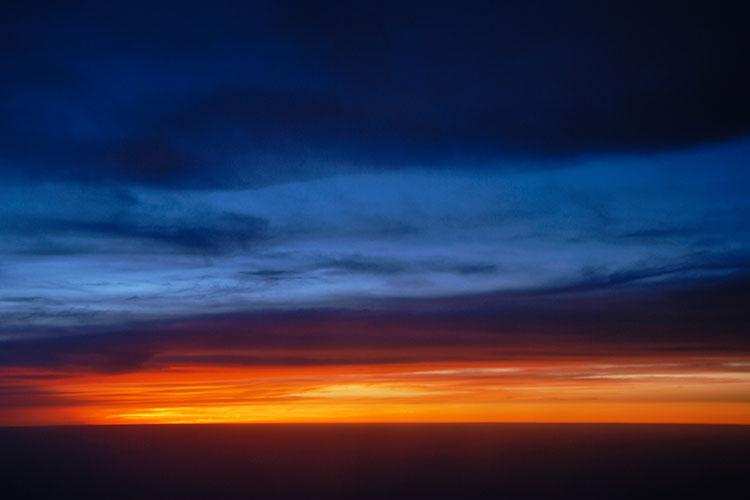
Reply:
x=374, y=211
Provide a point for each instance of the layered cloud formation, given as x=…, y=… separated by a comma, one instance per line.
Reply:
x=85, y=255
x=350, y=187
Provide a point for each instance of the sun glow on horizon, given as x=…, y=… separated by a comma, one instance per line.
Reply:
x=676, y=390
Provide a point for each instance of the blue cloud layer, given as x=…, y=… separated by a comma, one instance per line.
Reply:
x=79, y=254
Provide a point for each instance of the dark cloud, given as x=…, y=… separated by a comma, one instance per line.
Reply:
x=660, y=233
x=24, y=396
x=361, y=265
x=365, y=266
x=709, y=315
x=102, y=353
x=23, y=300
x=253, y=93
x=476, y=269
x=215, y=233
x=592, y=279
x=270, y=275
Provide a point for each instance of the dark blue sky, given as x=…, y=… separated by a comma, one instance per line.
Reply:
x=476, y=159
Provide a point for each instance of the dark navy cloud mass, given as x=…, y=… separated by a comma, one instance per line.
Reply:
x=251, y=93
x=563, y=169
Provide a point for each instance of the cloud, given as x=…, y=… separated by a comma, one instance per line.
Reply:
x=102, y=353
x=703, y=316
x=358, y=264
x=257, y=94
x=134, y=231
x=24, y=396
x=592, y=279
x=225, y=230
x=109, y=255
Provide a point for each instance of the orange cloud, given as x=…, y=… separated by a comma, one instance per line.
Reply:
x=672, y=389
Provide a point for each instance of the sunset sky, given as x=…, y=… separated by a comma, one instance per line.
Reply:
x=530, y=211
